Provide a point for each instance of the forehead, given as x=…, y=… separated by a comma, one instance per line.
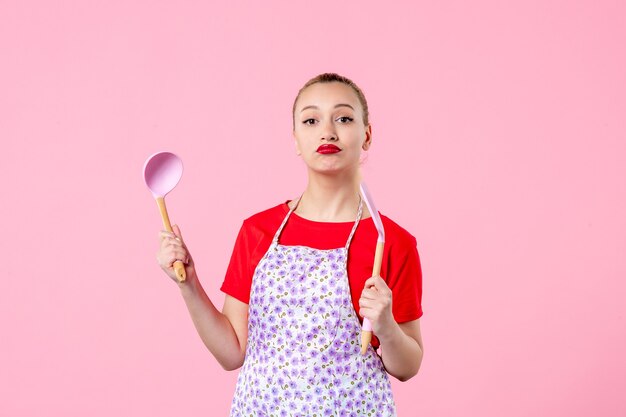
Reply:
x=327, y=95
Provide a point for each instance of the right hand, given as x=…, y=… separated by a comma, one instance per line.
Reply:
x=173, y=249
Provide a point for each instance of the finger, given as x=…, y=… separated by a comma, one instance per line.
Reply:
x=378, y=283
x=164, y=234
x=367, y=303
x=166, y=262
x=176, y=230
x=170, y=241
x=173, y=249
x=366, y=312
x=169, y=246
x=370, y=294
x=179, y=254
x=174, y=242
x=371, y=282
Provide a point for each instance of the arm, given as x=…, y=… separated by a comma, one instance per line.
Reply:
x=402, y=349
x=224, y=333
x=401, y=344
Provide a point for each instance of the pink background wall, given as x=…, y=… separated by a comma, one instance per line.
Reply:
x=499, y=142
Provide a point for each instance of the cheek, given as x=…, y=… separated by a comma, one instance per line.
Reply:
x=303, y=139
x=301, y=144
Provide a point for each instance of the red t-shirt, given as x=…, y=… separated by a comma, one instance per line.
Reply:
x=400, y=266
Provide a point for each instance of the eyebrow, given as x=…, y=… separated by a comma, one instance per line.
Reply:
x=337, y=105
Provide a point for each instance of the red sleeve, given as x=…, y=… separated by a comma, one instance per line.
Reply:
x=405, y=280
x=238, y=280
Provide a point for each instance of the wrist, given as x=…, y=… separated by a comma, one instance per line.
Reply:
x=189, y=287
x=389, y=333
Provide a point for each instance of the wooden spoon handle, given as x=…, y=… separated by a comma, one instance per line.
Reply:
x=178, y=265
x=378, y=259
x=366, y=333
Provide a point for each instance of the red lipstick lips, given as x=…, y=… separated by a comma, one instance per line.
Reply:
x=328, y=148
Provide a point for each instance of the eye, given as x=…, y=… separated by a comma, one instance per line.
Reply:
x=345, y=119
x=309, y=121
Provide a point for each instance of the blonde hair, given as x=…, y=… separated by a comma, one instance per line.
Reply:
x=329, y=77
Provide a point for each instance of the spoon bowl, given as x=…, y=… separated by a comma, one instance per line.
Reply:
x=161, y=172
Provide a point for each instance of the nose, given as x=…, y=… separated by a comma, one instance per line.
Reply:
x=329, y=132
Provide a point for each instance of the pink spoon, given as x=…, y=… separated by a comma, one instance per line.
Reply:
x=161, y=172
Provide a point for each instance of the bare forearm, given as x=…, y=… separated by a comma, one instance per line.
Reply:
x=214, y=328
x=401, y=354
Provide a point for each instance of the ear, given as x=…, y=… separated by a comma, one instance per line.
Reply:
x=368, y=137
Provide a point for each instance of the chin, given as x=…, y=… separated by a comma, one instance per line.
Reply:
x=333, y=170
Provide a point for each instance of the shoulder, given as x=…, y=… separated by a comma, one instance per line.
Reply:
x=396, y=235
x=266, y=218
x=271, y=212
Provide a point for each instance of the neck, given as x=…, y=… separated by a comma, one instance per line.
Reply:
x=329, y=198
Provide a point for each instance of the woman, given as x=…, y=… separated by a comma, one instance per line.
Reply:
x=299, y=274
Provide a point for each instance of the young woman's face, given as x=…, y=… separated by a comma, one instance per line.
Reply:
x=329, y=129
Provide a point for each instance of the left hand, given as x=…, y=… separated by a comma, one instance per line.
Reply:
x=375, y=304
